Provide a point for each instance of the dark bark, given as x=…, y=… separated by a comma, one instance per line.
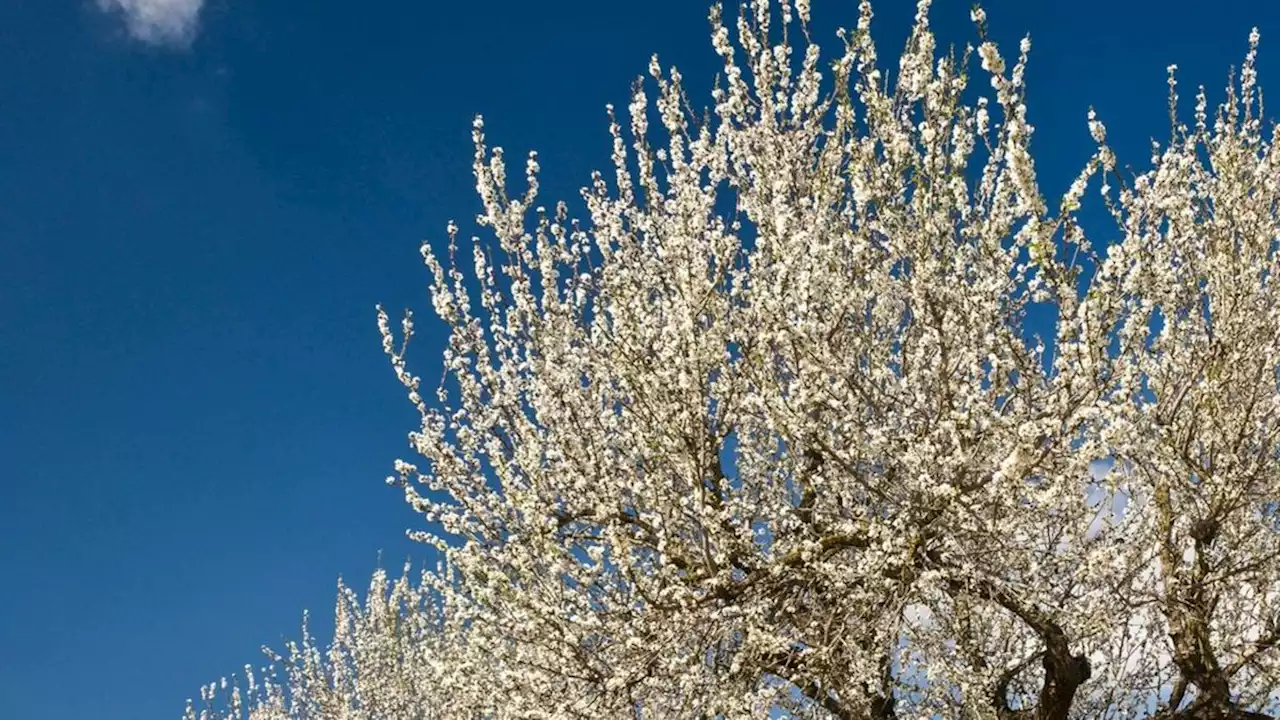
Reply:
x=1188, y=608
x=1064, y=671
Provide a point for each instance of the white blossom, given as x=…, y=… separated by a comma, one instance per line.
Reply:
x=769, y=429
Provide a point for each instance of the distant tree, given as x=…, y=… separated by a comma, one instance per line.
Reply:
x=775, y=430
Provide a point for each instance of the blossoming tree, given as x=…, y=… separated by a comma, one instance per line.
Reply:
x=825, y=411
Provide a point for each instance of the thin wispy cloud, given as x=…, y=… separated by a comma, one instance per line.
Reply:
x=158, y=22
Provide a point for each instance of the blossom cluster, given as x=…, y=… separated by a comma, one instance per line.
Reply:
x=780, y=426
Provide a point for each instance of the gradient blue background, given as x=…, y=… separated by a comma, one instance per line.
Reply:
x=195, y=414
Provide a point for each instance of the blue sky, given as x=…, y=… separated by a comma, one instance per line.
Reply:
x=199, y=208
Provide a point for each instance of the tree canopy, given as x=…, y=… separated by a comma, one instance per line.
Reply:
x=824, y=410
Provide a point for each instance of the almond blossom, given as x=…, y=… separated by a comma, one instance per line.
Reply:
x=823, y=410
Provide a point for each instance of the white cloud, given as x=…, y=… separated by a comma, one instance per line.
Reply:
x=158, y=22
